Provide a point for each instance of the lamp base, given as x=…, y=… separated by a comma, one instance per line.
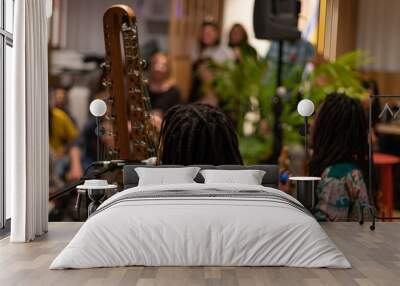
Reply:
x=305, y=190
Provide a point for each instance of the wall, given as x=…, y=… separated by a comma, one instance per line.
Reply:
x=368, y=25
x=186, y=17
x=338, y=19
x=240, y=11
x=84, y=25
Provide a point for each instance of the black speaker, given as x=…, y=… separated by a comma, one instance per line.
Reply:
x=276, y=19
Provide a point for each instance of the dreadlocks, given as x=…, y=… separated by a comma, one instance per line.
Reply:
x=340, y=135
x=197, y=134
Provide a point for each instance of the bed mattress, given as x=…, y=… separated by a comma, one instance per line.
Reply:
x=201, y=225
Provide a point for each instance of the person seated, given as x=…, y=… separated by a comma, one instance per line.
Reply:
x=62, y=132
x=296, y=55
x=163, y=92
x=340, y=152
x=202, y=89
x=62, y=128
x=84, y=150
x=198, y=134
x=371, y=103
x=60, y=98
x=208, y=52
x=238, y=41
x=372, y=91
x=209, y=46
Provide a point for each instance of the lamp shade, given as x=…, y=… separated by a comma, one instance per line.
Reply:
x=98, y=107
x=305, y=107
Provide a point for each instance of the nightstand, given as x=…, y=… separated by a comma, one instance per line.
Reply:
x=305, y=190
x=95, y=190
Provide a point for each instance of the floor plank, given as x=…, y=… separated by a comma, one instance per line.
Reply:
x=375, y=257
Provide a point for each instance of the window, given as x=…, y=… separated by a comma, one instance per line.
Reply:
x=6, y=44
x=9, y=13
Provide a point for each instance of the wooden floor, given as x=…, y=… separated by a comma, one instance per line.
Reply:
x=375, y=256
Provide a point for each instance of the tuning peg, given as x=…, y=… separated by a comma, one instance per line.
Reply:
x=107, y=83
x=113, y=152
x=140, y=143
x=143, y=63
x=110, y=117
x=109, y=99
x=105, y=66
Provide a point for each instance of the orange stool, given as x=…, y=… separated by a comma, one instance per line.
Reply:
x=385, y=163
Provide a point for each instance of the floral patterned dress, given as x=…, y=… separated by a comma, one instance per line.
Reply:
x=340, y=193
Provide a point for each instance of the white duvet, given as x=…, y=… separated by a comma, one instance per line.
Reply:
x=200, y=231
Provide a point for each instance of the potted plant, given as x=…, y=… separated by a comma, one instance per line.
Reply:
x=246, y=91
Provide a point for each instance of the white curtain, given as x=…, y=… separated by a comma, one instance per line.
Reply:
x=27, y=148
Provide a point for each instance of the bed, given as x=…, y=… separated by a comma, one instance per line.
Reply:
x=197, y=224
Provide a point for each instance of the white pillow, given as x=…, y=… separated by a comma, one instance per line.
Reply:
x=166, y=176
x=248, y=177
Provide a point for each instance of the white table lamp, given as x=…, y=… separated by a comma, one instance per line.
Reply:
x=305, y=108
x=98, y=108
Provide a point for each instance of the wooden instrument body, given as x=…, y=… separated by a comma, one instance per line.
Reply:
x=128, y=105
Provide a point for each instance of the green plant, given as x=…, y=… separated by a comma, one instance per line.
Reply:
x=246, y=91
x=246, y=96
x=340, y=75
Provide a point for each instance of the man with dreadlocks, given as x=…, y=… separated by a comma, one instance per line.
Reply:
x=340, y=145
x=197, y=134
